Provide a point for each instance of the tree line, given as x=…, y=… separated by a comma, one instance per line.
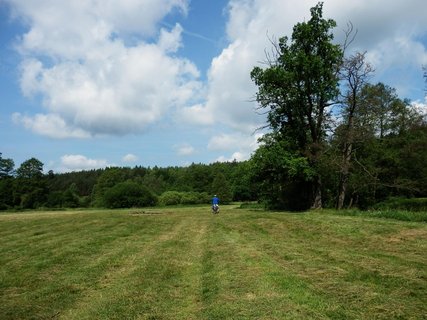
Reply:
x=28, y=187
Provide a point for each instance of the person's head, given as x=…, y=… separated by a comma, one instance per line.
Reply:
x=215, y=195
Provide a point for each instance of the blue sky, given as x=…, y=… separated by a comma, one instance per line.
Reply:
x=89, y=84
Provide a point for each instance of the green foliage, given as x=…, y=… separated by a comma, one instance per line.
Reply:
x=170, y=198
x=222, y=189
x=70, y=197
x=412, y=204
x=33, y=199
x=128, y=194
x=194, y=198
x=283, y=177
x=84, y=181
x=108, y=179
x=242, y=188
x=55, y=199
x=32, y=168
x=6, y=193
x=29, y=187
x=6, y=167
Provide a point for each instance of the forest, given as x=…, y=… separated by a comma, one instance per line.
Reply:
x=334, y=140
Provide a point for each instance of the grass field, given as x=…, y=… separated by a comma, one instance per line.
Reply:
x=185, y=263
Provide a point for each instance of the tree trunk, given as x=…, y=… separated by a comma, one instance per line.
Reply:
x=317, y=188
x=345, y=173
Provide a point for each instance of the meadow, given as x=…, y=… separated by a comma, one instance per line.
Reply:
x=185, y=263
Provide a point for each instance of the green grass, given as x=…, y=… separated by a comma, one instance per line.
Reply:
x=396, y=214
x=185, y=263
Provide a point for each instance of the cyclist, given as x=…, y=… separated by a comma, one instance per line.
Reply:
x=215, y=204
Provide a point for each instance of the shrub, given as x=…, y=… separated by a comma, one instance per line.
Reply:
x=195, y=198
x=128, y=194
x=173, y=198
x=190, y=198
x=170, y=198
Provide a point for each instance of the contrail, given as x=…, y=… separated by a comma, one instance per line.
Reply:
x=190, y=33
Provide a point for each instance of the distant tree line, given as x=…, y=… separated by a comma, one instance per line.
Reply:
x=28, y=187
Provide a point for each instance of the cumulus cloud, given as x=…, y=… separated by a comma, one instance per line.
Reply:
x=103, y=75
x=130, y=158
x=77, y=162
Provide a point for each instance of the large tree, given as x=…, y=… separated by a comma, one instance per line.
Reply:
x=298, y=86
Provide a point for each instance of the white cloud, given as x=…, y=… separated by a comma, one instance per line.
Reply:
x=67, y=29
x=102, y=75
x=229, y=141
x=77, y=162
x=244, y=144
x=50, y=125
x=130, y=158
x=170, y=41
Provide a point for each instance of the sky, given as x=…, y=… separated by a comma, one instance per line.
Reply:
x=88, y=84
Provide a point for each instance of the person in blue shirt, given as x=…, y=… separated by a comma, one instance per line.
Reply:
x=215, y=204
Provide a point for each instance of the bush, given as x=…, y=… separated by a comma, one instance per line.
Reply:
x=173, y=198
x=190, y=198
x=128, y=194
x=170, y=198
x=195, y=198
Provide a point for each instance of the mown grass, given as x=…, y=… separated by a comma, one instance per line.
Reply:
x=396, y=214
x=185, y=263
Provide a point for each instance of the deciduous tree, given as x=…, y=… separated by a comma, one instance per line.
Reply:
x=298, y=86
